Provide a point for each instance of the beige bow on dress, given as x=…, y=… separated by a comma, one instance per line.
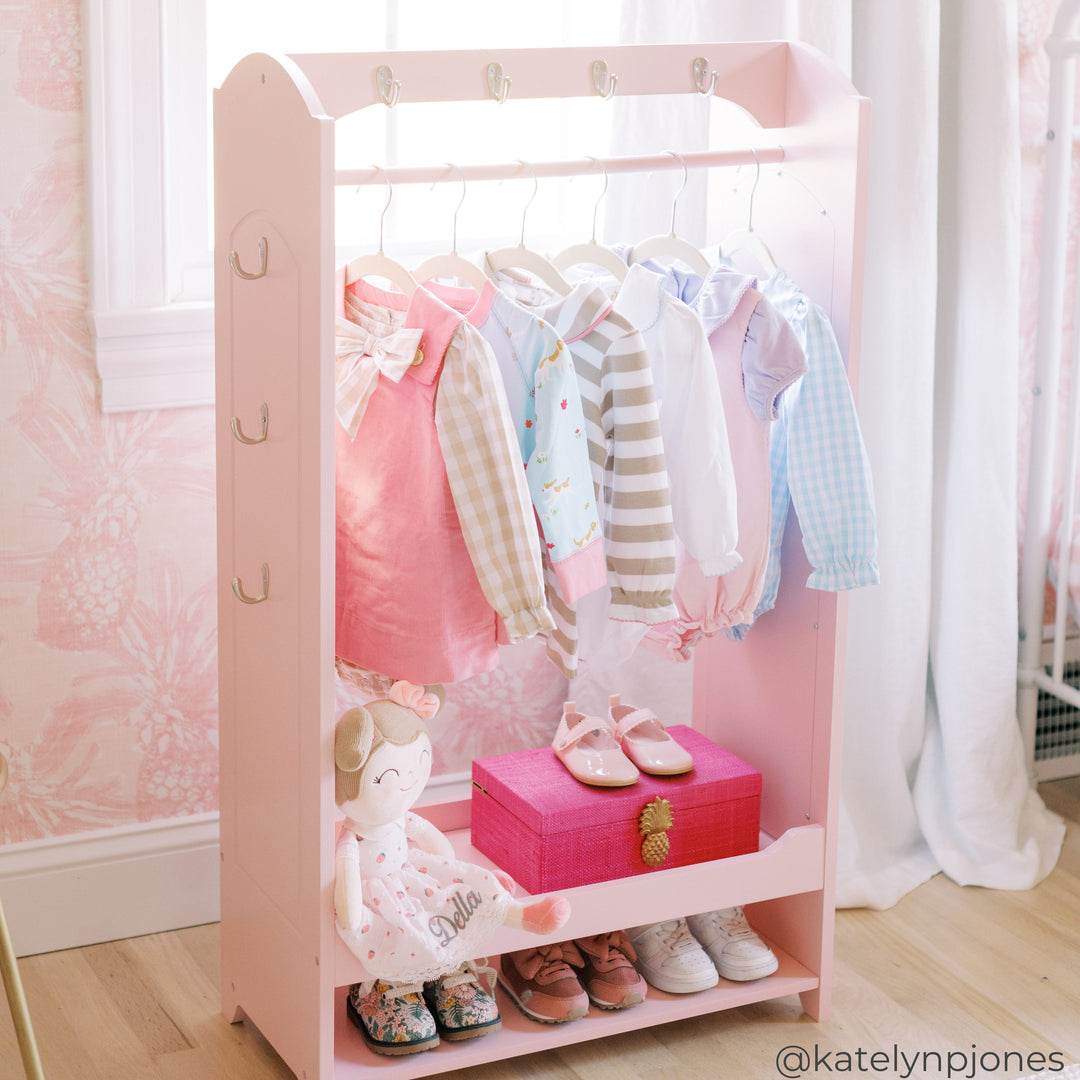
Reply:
x=360, y=358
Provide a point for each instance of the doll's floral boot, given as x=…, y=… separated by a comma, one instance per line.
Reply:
x=392, y=1017
x=462, y=1006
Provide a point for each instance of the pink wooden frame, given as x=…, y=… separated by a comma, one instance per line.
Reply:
x=775, y=699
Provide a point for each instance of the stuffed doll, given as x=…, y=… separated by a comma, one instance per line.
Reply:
x=406, y=906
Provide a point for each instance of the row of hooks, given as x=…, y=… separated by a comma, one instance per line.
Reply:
x=499, y=82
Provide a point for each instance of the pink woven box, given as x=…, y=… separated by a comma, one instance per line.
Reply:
x=548, y=830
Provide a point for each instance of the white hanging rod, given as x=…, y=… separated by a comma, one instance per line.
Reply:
x=514, y=170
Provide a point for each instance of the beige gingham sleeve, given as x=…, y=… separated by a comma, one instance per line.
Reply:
x=487, y=481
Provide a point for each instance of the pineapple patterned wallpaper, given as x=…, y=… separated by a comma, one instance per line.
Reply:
x=107, y=650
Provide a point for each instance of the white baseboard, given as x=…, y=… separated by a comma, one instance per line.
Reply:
x=69, y=891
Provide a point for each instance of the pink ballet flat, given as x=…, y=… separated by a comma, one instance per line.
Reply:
x=645, y=742
x=586, y=745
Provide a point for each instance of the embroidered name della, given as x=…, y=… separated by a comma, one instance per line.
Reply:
x=446, y=929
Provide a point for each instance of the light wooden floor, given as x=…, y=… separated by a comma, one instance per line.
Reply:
x=944, y=969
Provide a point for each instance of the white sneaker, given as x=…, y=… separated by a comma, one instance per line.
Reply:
x=738, y=953
x=670, y=958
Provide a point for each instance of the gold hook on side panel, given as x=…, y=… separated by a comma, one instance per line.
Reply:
x=239, y=271
x=238, y=588
x=264, y=416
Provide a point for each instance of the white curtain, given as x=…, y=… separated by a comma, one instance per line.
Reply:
x=933, y=775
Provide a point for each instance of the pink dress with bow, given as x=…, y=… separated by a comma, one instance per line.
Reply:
x=436, y=538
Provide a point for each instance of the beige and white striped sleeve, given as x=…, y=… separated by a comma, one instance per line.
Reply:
x=483, y=466
x=562, y=642
x=639, y=535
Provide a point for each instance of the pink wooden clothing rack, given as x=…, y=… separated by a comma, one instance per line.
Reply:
x=775, y=699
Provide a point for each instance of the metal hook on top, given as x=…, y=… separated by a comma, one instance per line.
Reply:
x=704, y=85
x=604, y=86
x=389, y=87
x=498, y=83
x=685, y=178
x=536, y=188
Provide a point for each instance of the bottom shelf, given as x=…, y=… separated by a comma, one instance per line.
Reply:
x=520, y=1035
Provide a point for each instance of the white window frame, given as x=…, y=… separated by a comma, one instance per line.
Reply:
x=151, y=310
x=151, y=305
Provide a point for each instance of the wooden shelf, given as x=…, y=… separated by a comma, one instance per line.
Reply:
x=791, y=864
x=520, y=1035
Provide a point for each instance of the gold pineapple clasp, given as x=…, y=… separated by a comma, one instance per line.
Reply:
x=653, y=824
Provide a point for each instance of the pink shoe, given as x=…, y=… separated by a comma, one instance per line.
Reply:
x=586, y=745
x=608, y=973
x=645, y=742
x=543, y=983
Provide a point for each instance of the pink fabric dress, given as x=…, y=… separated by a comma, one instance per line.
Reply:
x=410, y=603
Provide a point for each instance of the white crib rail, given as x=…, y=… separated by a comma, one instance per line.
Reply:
x=1063, y=46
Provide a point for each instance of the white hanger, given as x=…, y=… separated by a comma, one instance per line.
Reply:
x=521, y=258
x=746, y=240
x=451, y=264
x=380, y=265
x=592, y=253
x=671, y=246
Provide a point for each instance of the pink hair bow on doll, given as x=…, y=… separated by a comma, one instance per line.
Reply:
x=360, y=358
x=422, y=702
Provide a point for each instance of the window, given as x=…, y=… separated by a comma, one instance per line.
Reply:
x=150, y=295
x=148, y=72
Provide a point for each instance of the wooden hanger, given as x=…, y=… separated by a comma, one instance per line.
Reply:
x=672, y=246
x=521, y=258
x=746, y=240
x=380, y=265
x=451, y=264
x=592, y=253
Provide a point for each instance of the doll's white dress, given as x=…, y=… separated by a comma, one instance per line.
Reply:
x=423, y=914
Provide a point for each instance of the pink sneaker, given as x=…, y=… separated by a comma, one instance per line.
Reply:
x=645, y=742
x=543, y=984
x=609, y=975
x=587, y=746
